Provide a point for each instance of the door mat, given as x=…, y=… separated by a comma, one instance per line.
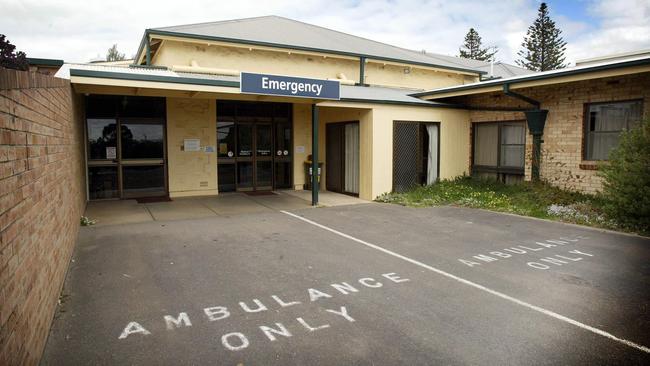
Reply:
x=260, y=193
x=153, y=199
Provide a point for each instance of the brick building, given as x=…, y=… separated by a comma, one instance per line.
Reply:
x=41, y=199
x=182, y=120
x=588, y=105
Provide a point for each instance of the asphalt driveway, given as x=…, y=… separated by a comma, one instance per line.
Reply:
x=363, y=284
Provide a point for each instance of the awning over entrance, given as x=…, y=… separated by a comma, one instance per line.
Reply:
x=264, y=170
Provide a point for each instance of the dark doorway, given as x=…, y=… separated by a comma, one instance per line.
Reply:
x=126, y=147
x=342, y=157
x=416, y=152
x=254, y=150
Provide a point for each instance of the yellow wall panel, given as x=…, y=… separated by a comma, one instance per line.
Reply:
x=364, y=116
x=243, y=59
x=175, y=52
x=301, y=139
x=413, y=78
x=191, y=173
x=454, y=141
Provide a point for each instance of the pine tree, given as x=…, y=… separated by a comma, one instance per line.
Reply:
x=543, y=45
x=472, y=47
x=9, y=58
x=114, y=55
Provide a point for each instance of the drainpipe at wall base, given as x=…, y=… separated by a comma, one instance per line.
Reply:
x=536, y=119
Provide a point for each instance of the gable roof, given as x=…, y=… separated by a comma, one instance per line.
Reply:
x=276, y=31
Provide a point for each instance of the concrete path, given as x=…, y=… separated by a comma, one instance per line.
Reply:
x=226, y=204
x=327, y=199
x=368, y=284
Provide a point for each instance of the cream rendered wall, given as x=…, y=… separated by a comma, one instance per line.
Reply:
x=364, y=116
x=176, y=52
x=191, y=173
x=243, y=59
x=416, y=78
x=301, y=137
x=454, y=141
x=376, y=140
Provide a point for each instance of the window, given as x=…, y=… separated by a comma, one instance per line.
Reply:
x=604, y=123
x=499, y=149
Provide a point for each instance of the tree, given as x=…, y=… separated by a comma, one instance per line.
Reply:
x=114, y=55
x=472, y=47
x=11, y=59
x=626, y=186
x=543, y=44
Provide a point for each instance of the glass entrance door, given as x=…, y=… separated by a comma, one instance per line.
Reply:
x=254, y=146
x=254, y=156
x=142, y=157
x=263, y=157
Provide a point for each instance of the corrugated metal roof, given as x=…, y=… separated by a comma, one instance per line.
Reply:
x=292, y=33
x=503, y=70
x=609, y=65
x=64, y=72
x=375, y=93
x=349, y=93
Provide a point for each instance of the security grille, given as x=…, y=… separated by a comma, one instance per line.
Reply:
x=406, y=156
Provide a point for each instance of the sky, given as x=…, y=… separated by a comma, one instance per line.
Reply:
x=79, y=31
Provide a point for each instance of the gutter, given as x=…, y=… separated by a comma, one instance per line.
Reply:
x=506, y=91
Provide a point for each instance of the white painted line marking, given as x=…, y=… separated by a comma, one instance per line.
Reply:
x=476, y=285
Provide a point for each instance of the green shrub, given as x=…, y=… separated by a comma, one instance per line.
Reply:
x=626, y=186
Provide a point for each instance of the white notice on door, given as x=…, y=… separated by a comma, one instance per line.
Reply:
x=192, y=145
x=111, y=152
x=300, y=149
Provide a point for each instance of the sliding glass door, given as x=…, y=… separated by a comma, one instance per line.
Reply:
x=126, y=147
x=254, y=150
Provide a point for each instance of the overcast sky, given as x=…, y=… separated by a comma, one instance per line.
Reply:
x=78, y=31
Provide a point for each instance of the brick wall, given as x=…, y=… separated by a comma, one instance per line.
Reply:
x=42, y=196
x=562, y=151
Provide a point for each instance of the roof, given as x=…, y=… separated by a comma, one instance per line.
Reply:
x=275, y=31
x=501, y=69
x=349, y=93
x=613, y=57
x=576, y=70
x=160, y=74
x=376, y=94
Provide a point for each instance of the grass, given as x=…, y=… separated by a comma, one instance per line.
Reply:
x=528, y=199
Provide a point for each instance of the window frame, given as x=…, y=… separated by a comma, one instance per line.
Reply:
x=498, y=168
x=586, y=122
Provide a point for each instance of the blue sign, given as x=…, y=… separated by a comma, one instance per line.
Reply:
x=289, y=86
